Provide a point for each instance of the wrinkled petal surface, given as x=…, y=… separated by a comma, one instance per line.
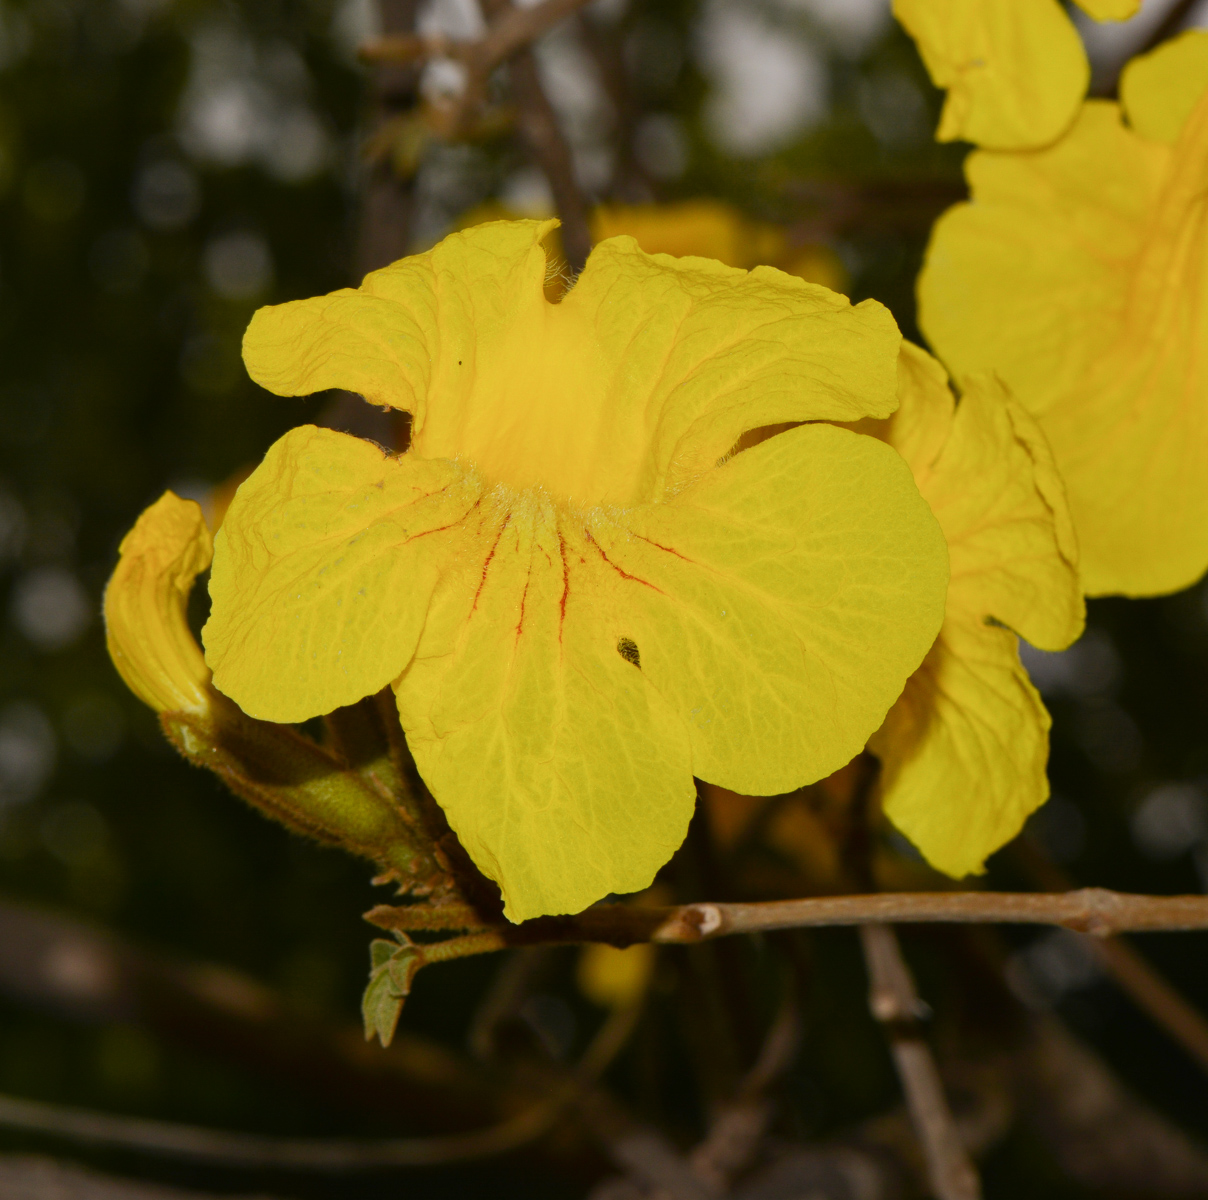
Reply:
x=1158, y=90
x=964, y=749
x=1015, y=70
x=1079, y=273
x=323, y=569
x=575, y=672
x=640, y=379
x=146, y=605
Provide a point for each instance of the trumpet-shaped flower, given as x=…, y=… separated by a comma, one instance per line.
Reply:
x=964, y=749
x=1080, y=274
x=1015, y=70
x=580, y=599
x=146, y=603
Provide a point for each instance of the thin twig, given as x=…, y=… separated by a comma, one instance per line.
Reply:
x=221, y=1147
x=1153, y=994
x=386, y=199
x=895, y=1003
x=1088, y=910
x=738, y=1128
x=511, y=31
x=1095, y=911
x=1133, y=973
x=538, y=124
x=509, y=38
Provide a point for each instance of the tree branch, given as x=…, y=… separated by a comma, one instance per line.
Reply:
x=1132, y=972
x=895, y=1003
x=1096, y=911
x=514, y=29
x=539, y=127
x=509, y=38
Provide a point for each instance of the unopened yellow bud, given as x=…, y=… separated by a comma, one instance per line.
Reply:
x=146, y=602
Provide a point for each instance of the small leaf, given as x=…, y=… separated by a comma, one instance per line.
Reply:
x=380, y=953
x=402, y=968
x=392, y=969
x=381, y=1008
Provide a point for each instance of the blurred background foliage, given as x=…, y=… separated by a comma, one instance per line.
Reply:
x=166, y=166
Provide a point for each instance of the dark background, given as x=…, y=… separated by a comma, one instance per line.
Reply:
x=165, y=168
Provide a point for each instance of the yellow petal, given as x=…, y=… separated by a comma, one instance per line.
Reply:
x=1002, y=507
x=564, y=773
x=963, y=751
x=322, y=572
x=786, y=597
x=146, y=605
x=572, y=677
x=1015, y=70
x=1158, y=90
x=640, y=379
x=387, y=338
x=1078, y=274
x=1110, y=10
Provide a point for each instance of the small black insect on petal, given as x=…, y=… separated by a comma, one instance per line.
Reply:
x=627, y=648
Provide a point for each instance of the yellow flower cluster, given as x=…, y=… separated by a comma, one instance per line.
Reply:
x=1078, y=273
x=702, y=520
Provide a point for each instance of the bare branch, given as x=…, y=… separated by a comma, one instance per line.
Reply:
x=509, y=38
x=1133, y=973
x=514, y=29
x=539, y=127
x=895, y=1003
x=1164, y=1004
x=1087, y=910
x=1095, y=911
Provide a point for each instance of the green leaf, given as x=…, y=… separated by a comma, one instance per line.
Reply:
x=392, y=969
x=380, y=953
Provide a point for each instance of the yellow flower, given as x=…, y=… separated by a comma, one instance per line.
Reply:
x=964, y=749
x=1015, y=70
x=1158, y=90
x=146, y=605
x=580, y=601
x=1079, y=274
x=711, y=229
